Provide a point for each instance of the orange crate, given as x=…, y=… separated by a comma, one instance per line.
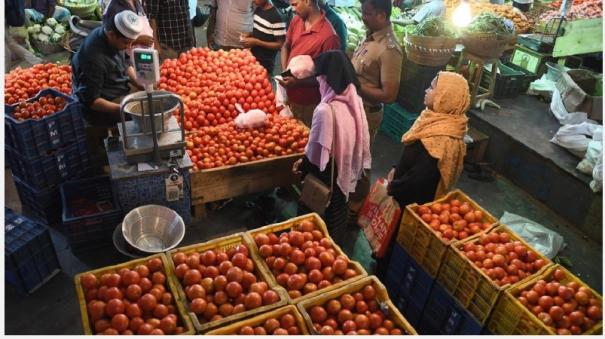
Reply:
x=382, y=297
x=469, y=284
x=183, y=317
x=286, y=226
x=225, y=243
x=261, y=318
x=422, y=242
x=511, y=317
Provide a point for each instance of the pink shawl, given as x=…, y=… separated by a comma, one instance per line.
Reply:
x=352, y=145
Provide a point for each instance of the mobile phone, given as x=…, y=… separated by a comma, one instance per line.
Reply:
x=287, y=73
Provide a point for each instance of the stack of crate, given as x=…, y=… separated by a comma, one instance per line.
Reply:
x=45, y=152
x=29, y=253
x=397, y=120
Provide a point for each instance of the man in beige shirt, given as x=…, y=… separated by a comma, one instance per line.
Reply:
x=377, y=61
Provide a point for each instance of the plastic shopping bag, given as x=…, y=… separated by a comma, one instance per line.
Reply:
x=251, y=119
x=378, y=217
x=281, y=100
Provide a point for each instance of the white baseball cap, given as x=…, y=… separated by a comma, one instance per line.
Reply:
x=129, y=24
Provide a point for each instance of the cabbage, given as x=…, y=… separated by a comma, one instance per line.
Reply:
x=51, y=22
x=59, y=29
x=55, y=37
x=43, y=37
x=35, y=28
x=30, y=30
x=47, y=30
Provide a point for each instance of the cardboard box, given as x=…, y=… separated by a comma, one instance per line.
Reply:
x=581, y=91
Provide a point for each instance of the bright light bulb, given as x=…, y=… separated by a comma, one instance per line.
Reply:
x=462, y=15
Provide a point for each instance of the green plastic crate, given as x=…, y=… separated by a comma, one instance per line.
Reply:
x=397, y=121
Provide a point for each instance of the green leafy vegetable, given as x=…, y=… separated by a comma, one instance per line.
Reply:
x=434, y=26
x=487, y=22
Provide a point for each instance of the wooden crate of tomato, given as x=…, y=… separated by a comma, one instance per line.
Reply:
x=301, y=257
x=136, y=297
x=282, y=321
x=220, y=283
x=554, y=302
x=361, y=307
x=230, y=162
x=476, y=271
x=426, y=231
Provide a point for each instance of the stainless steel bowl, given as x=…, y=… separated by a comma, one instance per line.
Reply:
x=153, y=228
x=162, y=108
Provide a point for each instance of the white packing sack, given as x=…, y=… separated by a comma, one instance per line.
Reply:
x=593, y=153
x=575, y=138
x=597, y=176
x=560, y=112
x=544, y=240
x=251, y=119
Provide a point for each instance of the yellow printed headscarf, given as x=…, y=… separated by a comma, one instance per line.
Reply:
x=442, y=129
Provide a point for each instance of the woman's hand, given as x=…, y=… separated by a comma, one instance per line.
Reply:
x=391, y=175
x=296, y=165
x=288, y=82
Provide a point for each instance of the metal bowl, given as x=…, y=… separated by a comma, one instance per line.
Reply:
x=164, y=103
x=153, y=228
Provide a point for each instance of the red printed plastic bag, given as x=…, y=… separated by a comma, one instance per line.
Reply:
x=378, y=217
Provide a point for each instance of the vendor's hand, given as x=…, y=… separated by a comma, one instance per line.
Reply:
x=249, y=42
x=391, y=175
x=288, y=82
x=296, y=165
x=145, y=40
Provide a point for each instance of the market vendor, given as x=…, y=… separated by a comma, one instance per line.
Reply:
x=102, y=77
x=309, y=33
x=429, y=8
x=433, y=156
x=377, y=62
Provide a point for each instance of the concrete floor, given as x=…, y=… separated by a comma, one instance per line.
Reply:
x=55, y=308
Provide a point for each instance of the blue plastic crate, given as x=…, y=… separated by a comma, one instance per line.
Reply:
x=90, y=213
x=397, y=121
x=410, y=285
x=443, y=315
x=29, y=254
x=50, y=170
x=151, y=189
x=34, y=138
x=45, y=205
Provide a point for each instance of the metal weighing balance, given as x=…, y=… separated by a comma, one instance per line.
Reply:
x=145, y=138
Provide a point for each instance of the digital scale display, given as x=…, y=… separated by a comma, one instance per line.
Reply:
x=145, y=57
x=146, y=65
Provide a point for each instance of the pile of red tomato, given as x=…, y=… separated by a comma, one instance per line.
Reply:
x=285, y=325
x=212, y=82
x=226, y=144
x=39, y=109
x=303, y=260
x=131, y=301
x=221, y=283
x=23, y=83
x=352, y=314
x=504, y=260
x=568, y=308
x=453, y=219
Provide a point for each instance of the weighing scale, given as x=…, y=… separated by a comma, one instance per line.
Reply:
x=153, y=134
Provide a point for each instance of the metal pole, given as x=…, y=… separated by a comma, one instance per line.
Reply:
x=156, y=151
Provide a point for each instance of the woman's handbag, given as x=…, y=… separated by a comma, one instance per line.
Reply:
x=316, y=195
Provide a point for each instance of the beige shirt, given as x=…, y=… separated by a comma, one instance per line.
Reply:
x=378, y=58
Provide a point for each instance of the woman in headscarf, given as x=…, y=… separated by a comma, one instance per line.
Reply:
x=339, y=133
x=433, y=156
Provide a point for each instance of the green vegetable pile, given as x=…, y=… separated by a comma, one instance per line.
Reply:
x=78, y=3
x=49, y=31
x=435, y=27
x=487, y=22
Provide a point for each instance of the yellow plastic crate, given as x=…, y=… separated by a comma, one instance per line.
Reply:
x=285, y=227
x=511, y=317
x=260, y=272
x=469, y=284
x=260, y=319
x=422, y=242
x=382, y=296
x=183, y=320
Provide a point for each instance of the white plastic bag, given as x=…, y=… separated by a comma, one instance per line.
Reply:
x=593, y=153
x=544, y=240
x=281, y=99
x=597, y=176
x=575, y=138
x=560, y=112
x=251, y=119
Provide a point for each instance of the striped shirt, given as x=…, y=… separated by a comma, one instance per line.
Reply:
x=268, y=26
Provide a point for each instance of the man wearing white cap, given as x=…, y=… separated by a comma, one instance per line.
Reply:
x=101, y=77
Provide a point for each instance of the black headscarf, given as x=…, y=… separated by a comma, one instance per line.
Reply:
x=337, y=68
